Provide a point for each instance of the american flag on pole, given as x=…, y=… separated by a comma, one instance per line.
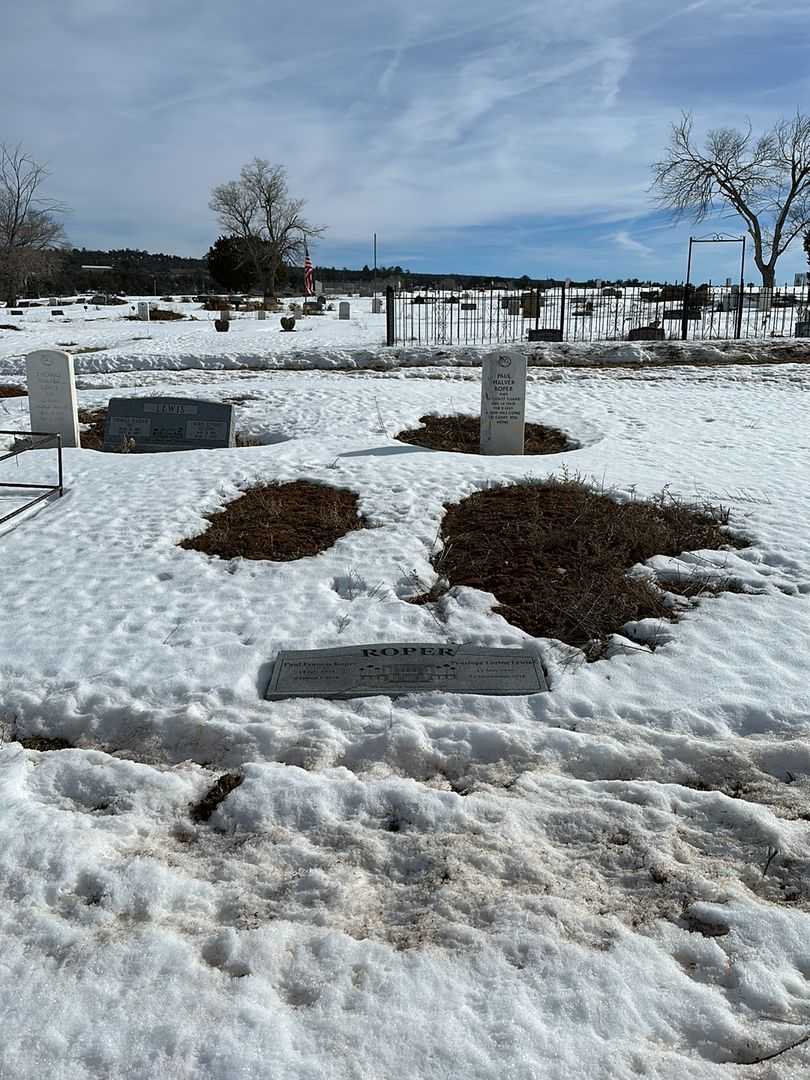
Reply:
x=309, y=274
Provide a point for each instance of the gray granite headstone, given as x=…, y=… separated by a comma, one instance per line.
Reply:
x=404, y=668
x=503, y=403
x=155, y=425
x=261, y=314
x=52, y=394
x=143, y=310
x=376, y=306
x=343, y=309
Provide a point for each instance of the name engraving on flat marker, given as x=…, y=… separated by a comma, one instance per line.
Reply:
x=402, y=668
x=152, y=425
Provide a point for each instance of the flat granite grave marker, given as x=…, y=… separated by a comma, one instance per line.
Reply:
x=157, y=425
x=404, y=668
x=52, y=394
x=503, y=403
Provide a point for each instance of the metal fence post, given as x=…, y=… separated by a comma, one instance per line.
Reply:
x=390, y=327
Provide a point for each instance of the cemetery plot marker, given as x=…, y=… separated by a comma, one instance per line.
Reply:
x=52, y=394
x=155, y=425
x=404, y=668
x=503, y=404
x=343, y=309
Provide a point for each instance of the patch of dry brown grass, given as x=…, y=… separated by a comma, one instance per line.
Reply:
x=279, y=522
x=556, y=554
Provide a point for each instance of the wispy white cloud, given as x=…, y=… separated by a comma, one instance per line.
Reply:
x=419, y=120
x=626, y=242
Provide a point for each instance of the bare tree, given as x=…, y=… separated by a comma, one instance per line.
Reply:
x=258, y=209
x=30, y=235
x=764, y=179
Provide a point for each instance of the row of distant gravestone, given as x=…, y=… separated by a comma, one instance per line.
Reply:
x=151, y=425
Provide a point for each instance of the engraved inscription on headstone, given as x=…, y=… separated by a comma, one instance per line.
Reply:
x=404, y=668
x=503, y=403
x=52, y=394
x=153, y=425
x=343, y=309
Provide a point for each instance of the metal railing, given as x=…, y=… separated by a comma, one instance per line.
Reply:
x=33, y=440
x=596, y=313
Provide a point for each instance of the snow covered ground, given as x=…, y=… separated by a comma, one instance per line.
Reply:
x=608, y=881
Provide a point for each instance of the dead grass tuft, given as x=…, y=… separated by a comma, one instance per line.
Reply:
x=556, y=555
x=12, y=391
x=462, y=434
x=279, y=522
x=44, y=744
x=202, y=810
x=93, y=437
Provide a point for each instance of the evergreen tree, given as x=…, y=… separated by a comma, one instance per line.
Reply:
x=230, y=265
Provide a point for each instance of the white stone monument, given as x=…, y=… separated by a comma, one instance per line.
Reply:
x=52, y=394
x=261, y=314
x=503, y=403
x=143, y=310
x=343, y=309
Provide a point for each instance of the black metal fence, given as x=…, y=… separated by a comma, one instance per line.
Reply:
x=601, y=313
x=33, y=440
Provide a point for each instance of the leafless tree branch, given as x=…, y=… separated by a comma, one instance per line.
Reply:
x=763, y=179
x=30, y=235
x=258, y=209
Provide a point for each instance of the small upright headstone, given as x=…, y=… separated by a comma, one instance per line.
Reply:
x=376, y=306
x=343, y=309
x=503, y=403
x=143, y=310
x=225, y=315
x=261, y=314
x=52, y=395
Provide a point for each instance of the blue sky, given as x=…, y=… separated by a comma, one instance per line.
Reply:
x=475, y=137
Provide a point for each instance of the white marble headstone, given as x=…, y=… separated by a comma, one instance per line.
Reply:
x=52, y=394
x=503, y=403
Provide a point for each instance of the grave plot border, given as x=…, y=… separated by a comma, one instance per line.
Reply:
x=37, y=440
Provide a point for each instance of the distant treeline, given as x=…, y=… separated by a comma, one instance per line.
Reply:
x=144, y=273
x=134, y=273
